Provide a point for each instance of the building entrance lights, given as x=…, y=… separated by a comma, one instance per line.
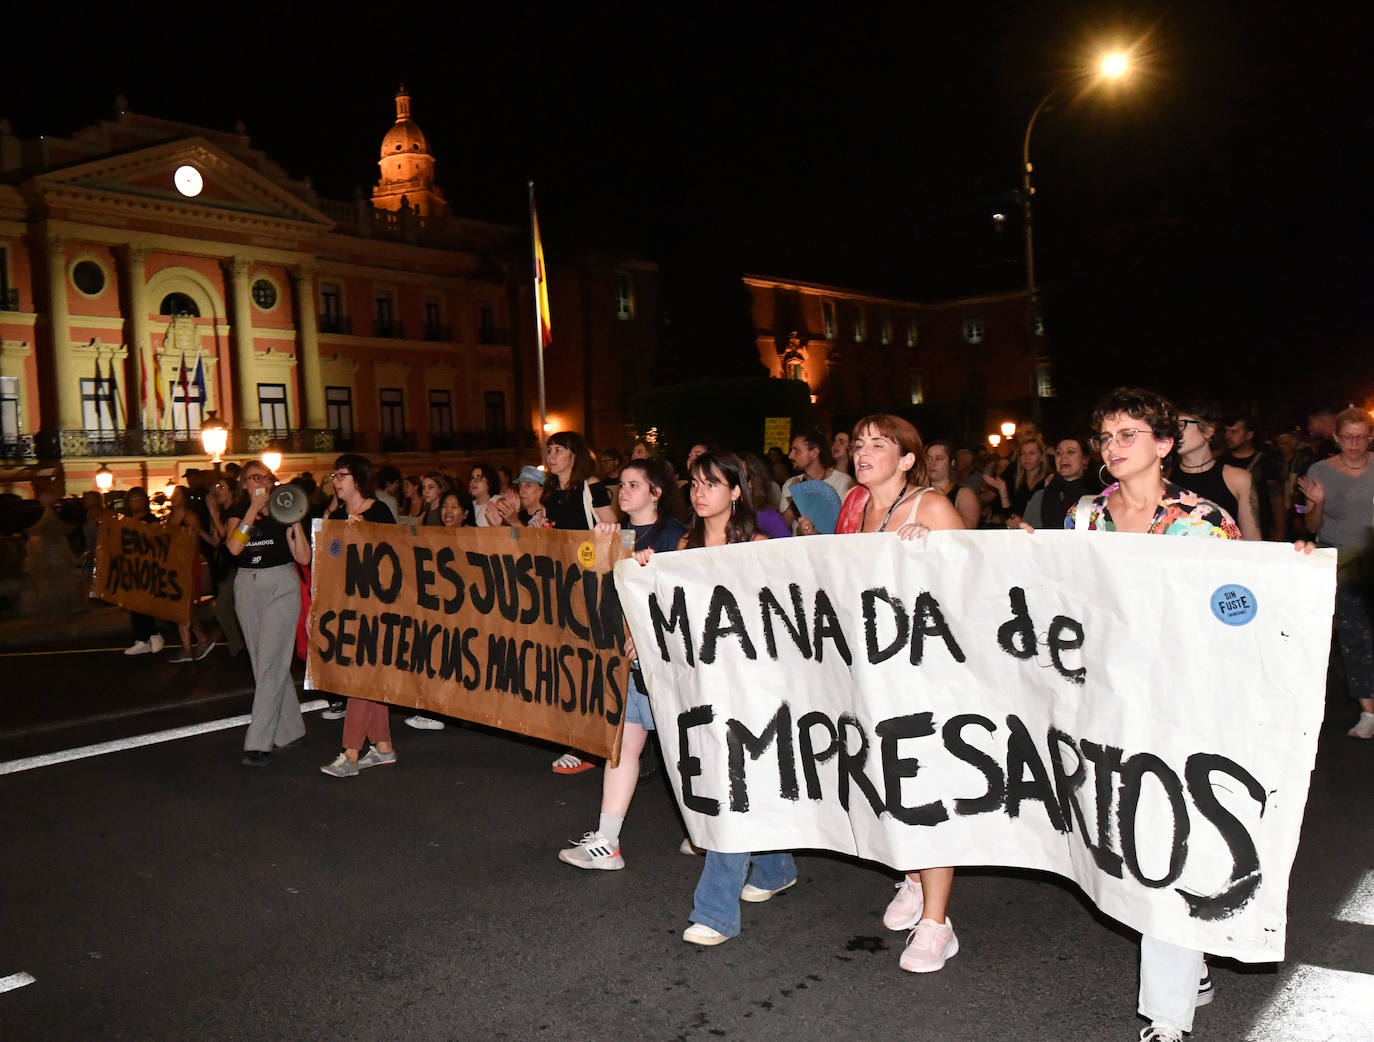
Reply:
x=1113, y=66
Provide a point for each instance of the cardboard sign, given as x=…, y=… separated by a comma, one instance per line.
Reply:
x=1136, y=714
x=145, y=567
x=514, y=628
x=777, y=431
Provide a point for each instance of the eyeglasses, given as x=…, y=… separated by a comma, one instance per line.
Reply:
x=340, y=474
x=1352, y=439
x=1124, y=437
x=1185, y=423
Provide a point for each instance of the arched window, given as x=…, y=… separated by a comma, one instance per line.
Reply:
x=178, y=304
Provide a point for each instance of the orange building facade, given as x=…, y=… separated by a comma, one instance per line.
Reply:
x=976, y=357
x=138, y=250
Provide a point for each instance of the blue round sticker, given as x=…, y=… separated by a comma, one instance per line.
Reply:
x=335, y=547
x=1234, y=605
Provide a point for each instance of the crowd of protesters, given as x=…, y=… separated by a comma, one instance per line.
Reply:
x=1148, y=467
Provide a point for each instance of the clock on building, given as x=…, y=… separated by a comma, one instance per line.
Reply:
x=188, y=181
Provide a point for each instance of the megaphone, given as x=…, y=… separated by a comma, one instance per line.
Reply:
x=288, y=504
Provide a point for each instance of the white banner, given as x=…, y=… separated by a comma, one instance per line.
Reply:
x=1136, y=714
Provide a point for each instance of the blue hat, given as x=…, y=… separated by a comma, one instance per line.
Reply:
x=530, y=475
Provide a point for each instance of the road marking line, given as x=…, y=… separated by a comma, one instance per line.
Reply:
x=1359, y=906
x=1317, y=1003
x=60, y=651
x=120, y=744
x=15, y=980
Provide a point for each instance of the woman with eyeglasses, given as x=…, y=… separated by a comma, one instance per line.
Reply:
x=1340, y=491
x=267, y=598
x=1137, y=432
x=364, y=720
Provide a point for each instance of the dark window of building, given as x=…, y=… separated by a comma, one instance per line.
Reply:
x=434, y=322
x=1044, y=380
x=494, y=404
x=272, y=407
x=918, y=391
x=885, y=330
x=911, y=332
x=89, y=277
x=486, y=324
x=624, y=297
x=331, y=305
x=393, y=412
x=384, y=314
x=973, y=328
x=264, y=294
x=828, y=318
x=860, y=324
x=441, y=413
x=338, y=404
x=178, y=304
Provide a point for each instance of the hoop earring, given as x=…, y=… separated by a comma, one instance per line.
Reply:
x=1101, y=478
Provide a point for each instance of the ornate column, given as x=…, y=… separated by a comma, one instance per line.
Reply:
x=241, y=333
x=133, y=257
x=308, y=346
x=64, y=367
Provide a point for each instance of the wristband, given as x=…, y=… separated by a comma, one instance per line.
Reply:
x=242, y=533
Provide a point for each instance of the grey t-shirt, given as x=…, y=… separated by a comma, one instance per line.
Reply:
x=1348, y=511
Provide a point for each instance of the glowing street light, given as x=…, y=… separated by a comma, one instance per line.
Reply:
x=1114, y=65
x=271, y=456
x=104, y=479
x=994, y=440
x=214, y=438
x=1008, y=430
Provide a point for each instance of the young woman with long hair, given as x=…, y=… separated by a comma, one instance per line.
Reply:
x=643, y=484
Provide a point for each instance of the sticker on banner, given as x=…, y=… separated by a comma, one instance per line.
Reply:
x=1234, y=605
x=586, y=555
x=335, y=547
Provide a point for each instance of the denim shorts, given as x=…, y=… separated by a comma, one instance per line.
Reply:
x=637, y=706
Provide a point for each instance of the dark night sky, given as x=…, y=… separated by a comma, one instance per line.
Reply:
x=1206, y=228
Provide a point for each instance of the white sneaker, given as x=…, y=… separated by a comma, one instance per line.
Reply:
x=593, y=850
x=690, y=848
x=1159, y=1033
x=1363, y=729
x=703, y=935
x=424, y=723
x=156, y=642
x=138, y=647
x=929, y=945
x=904, y=910
x=757, y=894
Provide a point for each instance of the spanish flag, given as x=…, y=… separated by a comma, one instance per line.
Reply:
x=541, y=280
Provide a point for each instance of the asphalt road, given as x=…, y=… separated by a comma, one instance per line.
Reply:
x=167, y=892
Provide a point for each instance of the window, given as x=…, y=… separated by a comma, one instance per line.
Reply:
x=272, y=407
x=441, y=414
x=434, y=320
x=911, y=332
x=178, y=304
x=393, y=412
x=859, y=325
x=494, y=403
x=1044, y=380
x=338, y=405
x=1037, y=323
x=331, y=308
x=973, y=328
x=624, y=297
x=885, y=330
x=794, y=371
x=918, y=390
x=89, y=277
x=9, y=410
x=384, y=314
x=186, y=408
x=486, y=324
x=97, y=397
x=264, y=294
x=828, y=318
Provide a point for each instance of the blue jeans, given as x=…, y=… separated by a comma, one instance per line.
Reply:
x=716, y=901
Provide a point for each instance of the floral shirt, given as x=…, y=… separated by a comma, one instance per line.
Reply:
x=1180, y=512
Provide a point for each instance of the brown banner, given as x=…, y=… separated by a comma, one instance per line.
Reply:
x=145, y=567
x=514, y=628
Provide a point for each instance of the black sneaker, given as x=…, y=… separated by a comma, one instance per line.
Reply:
x=334, y=711
x=256, y=758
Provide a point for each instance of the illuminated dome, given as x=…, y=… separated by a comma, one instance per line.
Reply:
x=405, y=136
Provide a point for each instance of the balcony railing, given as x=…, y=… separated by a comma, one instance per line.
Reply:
x=437, y=331
x=336, y=324
x=394, y=330
x=9, y=299
x=493, y=335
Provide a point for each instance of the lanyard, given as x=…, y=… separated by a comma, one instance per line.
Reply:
x=888, y=516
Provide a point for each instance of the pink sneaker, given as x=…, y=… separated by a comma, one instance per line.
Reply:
x=929, y=945
x=904, y=910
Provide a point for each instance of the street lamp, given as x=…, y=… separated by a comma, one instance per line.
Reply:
x=1008, y=430
x=271, y=456
x=214, y=437
x=104, y=479
x=1112, y=66
x=994, y=440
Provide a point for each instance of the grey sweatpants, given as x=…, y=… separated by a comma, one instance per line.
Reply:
x=268, y=604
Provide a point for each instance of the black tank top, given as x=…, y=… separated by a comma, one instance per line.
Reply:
x=1209, y=484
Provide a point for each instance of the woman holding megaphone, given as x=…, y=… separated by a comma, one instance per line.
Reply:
x=267, y=599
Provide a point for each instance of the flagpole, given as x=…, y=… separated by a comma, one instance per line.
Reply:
x=538, y=323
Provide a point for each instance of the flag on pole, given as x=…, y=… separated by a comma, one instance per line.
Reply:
x=157, y=390
x=185, y=380
x=199, y=380
x=142, y=387
x=112, y=393
x=541, y=281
